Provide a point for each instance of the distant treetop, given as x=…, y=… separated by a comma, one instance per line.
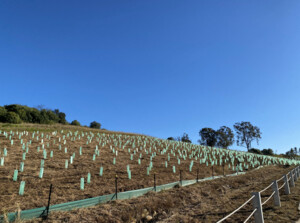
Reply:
x=95, y=125
x=16, y=114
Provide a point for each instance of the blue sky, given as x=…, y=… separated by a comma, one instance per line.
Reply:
x=159, y=68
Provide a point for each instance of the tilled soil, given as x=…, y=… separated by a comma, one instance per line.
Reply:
x=203, y=202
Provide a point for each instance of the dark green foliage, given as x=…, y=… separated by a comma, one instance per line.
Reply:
x=268, y=152
x=225, y=137
x=170, y=138
x=95, y=125
x=208, y=137
x=2, y=114
x=253, y=150
x=292, y=153
x=61, y=116
x=185, y=138
x=12, y=117
x=20, y=113
x=75, y=122
x=246, y=133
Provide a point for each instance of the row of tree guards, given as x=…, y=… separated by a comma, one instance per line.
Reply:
x=88, y=181
x=135, y=146
x=45, y=214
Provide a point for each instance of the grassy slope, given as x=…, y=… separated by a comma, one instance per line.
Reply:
x=204, y=202
x=53, y=127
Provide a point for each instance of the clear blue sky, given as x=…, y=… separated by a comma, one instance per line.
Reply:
x=159, y=68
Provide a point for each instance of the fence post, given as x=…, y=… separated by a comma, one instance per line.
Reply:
x=197, y=180
x=154, y=183
x=286, y=186
x=116, y=186
x=50, y=191
x=258, y=214
x=180, y=177
x=292, y=179
x=295, y=174
x=276, y=195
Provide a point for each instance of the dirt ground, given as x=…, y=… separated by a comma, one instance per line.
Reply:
x=186, y=203
x=204, y=202
x=66, y=182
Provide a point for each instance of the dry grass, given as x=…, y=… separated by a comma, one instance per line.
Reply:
x=204, y=202
x=66, y=182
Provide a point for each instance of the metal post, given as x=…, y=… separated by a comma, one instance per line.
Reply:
x=292, y=179
x=286, y=186
x=212, y=171
x=258, y=214
x=224, y=169
x=180, y=177
x=154, y=183
x=197, y=180
x=276, y=195
x=116, y=185
x=50, y=191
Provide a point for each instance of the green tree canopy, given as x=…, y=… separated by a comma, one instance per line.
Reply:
x=246, y=133
x=31, y=115
x=225, y=137
x=11, y=117
x=185, y=138
x=95, y=125
x=208, y=137
x=268, y=152
x=75, y=122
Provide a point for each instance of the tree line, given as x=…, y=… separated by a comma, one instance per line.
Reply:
x=245, y=135
x=224, y=137
x=17, y=114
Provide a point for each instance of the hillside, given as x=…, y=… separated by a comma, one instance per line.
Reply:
x=62, y=155
x=204, y=202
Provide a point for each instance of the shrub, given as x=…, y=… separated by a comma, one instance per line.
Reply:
x=268, y=152
x=12, y=117
x=253, y=150
x=2, y=114
x=95, y=125
x=75, y=122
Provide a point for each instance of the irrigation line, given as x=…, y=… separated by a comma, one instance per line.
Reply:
x=236, y=210
x=281, y=186
x=268, y=199
x=250, y=215
x=266, y=188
